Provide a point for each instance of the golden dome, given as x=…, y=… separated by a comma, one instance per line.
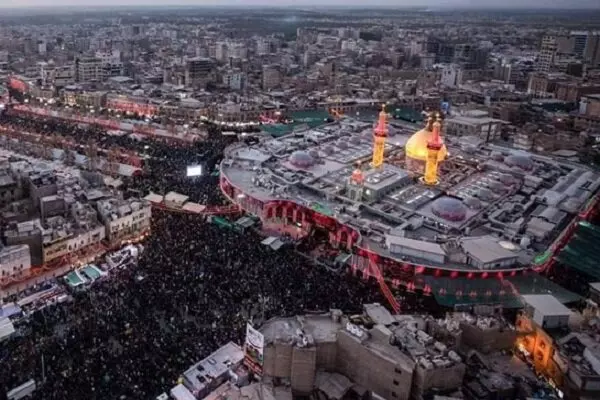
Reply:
x=416, y=146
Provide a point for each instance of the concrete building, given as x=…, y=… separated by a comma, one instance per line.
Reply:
x=484, y=330
x=474, y=123
x=448, y=75
x=546, y=311
x=62, y=236
x=63, y=75
x=591, y=53
x=198, y=71
x=571, y=361
x=235, y=80
x=590, y=105
x=88, y=69
x=271, y=77
x=216, y=369
x=14, y=260
x=124, y=219
x=415, y=248
x=11, y=189
x=547, y=54
x=26, y=233
x=394, y=359
x=42, y=184
x=265, y=46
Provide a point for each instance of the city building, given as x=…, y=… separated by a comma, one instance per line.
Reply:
x=271, y=77
x=234, y=80
x=124, y=219
x=209, y=374
x=474, y=123
x=15, y=261
x=394, y=358
x=547, y=53
x=88, y=69
x=198, y=71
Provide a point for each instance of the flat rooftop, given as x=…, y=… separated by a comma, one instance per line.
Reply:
x=494, y=209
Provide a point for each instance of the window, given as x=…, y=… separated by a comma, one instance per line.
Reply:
x=396, y=382
x=397, y=370
x=394, y=394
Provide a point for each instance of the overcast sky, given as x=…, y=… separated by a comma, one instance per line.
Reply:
x=299, y=3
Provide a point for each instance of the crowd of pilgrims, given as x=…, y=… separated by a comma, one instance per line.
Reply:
x=164, y=164
x=193, y=290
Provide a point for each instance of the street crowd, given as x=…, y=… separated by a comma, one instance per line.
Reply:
x=193, y=290
x=164, y=164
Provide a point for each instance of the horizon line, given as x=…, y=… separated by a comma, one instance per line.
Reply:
x=300, y=7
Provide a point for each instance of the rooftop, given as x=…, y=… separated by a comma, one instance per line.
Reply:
x=546, y=304
x=498, y=208
x=113, y=208
x=212, y=367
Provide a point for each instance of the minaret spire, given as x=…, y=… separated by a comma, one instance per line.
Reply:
x=379, y=135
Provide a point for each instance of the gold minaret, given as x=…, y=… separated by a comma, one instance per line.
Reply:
x=434, y=145
x=379, y=139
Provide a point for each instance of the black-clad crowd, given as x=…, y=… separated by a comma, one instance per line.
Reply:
x=164, y=164
x=193, y=289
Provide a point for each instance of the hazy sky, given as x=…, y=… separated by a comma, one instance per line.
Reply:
x=299, y=3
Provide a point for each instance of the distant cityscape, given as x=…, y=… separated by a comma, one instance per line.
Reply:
x=284, y=203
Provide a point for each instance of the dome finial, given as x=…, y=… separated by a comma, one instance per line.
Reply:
x=430, y=121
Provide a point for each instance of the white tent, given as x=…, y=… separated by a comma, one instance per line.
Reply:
x=6, y=328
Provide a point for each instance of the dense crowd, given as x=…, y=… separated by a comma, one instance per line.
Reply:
x=164, y=165
x=194, y=288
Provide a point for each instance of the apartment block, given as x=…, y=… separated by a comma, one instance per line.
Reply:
x=391, y=357
x=124, y=219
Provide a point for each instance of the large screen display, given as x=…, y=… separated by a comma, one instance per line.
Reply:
x=194, y=170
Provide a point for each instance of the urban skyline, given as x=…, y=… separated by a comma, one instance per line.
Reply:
x=434, y=5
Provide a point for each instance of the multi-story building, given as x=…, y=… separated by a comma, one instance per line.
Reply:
x=543, y=85
x=26, y=233
x=14, y=260
x=79, y=231
x=547, y=54
x=11, y=188
x=265, y=46
x=571, y=361
x=271, y=77
x=42, y=184
x=63, y=75
x=109, y=57
x=474, y=123
x=216, y=369
x=591, y=53
x=124, y=219
x=4, y=59
x=221, y=51
x=588, y=117
x=76, y=96
x=132, y=104
x=198, y=71
x=235, y=79
x=395, y=359
x=88, y=69
x=590, y=105
x=484, y=330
